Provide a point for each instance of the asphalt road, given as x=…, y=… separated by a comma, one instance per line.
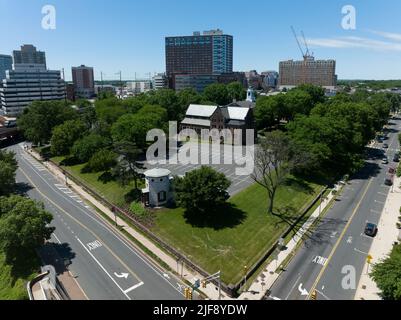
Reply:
x=105, y=264
x=331, y=259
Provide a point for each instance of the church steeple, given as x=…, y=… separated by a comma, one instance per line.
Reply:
x=250, y=95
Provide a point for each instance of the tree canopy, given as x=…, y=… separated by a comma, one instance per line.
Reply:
x=39, y=119
x=201, y=190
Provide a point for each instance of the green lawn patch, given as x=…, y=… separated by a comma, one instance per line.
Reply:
x=13, y=282
x=101, y=183
x=241, y=234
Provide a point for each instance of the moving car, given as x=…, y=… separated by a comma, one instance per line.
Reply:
x=388, y=181
x=370, y=229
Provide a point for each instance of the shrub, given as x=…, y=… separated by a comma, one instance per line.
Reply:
x=102, y=160
x=137, y=209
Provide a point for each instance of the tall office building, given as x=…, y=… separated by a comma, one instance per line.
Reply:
x=28, y=83
x=6, y=63
x=29, y=55
x=208, y=54
x=308, y=71
x=84, y=82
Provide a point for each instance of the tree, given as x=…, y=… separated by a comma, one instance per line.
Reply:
x=185, y=98
x=65, y=135
x=317, y=93
x=23, y=227
x=39, y=119
x=134, y=127
x=274, y=161
x=127, y=168
x=236, y=91
x=83, y=149
x=8, y=167
x=201, y=190
x=167, y=99
x=102, y=160
x=269, y=111
x=297, y=102
x=217, y=93
x=387, y=275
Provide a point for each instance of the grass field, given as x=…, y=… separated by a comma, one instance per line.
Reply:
x=13, y=283
x=109, y=189
x=241, y=234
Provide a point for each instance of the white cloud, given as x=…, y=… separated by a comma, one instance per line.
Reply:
x=388, y=35
x=355, y=42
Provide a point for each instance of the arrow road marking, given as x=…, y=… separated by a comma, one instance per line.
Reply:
x=303, y=291
x=122, y=275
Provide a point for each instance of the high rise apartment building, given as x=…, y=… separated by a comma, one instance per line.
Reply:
x=308, y=71
x=210, y=53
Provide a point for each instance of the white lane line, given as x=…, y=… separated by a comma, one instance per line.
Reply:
x=293, y=287
x=101, y=266
x=133, y=287
x=58, y=240
x=375, y=211
x=360, y=251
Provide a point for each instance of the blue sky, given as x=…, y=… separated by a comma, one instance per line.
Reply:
x=128, y=35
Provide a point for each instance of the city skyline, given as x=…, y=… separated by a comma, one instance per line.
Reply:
x=130, y=36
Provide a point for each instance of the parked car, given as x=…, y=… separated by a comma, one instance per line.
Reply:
x=385, y=146
x=371, y=229
x=385, y=160
x=396, y=158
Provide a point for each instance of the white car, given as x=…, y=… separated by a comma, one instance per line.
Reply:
x=384, y=161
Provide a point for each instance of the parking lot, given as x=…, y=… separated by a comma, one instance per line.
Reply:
x=192, y=156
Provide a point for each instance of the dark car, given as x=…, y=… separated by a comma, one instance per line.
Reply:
x=371, y=229
x=388, y=181
x=396, y=158
x=391, y=170
x=385, y=146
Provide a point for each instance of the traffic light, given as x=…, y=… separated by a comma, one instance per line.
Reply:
x=203, y=284
x=313, y=295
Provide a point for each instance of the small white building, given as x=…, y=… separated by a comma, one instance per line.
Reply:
x=157, y=192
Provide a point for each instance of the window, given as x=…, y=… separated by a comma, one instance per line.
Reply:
x=161, y=197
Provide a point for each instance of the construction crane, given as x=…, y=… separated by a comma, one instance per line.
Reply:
x=306, y=55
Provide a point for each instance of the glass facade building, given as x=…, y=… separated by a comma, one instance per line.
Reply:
x=6, y=63
x=208, y=54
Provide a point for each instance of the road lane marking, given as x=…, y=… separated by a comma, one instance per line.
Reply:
x=104, y=269
x=58, y=240
x=293, y=287
x=320, y=260
x=133, y=287
x=340, y=238
x=365, y=253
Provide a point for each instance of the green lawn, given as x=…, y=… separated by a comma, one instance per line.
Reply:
x=110, y=190
x=243, y=233
x=13, y=286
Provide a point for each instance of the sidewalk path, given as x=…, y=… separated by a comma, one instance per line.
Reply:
x=382, y=244
x=266, y=279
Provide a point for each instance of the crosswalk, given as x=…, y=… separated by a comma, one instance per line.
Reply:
x=34, y=163
x=70, y=194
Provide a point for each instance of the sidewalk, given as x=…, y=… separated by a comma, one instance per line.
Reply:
x=269, y=275
x=210, y=291
x=382, y=243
